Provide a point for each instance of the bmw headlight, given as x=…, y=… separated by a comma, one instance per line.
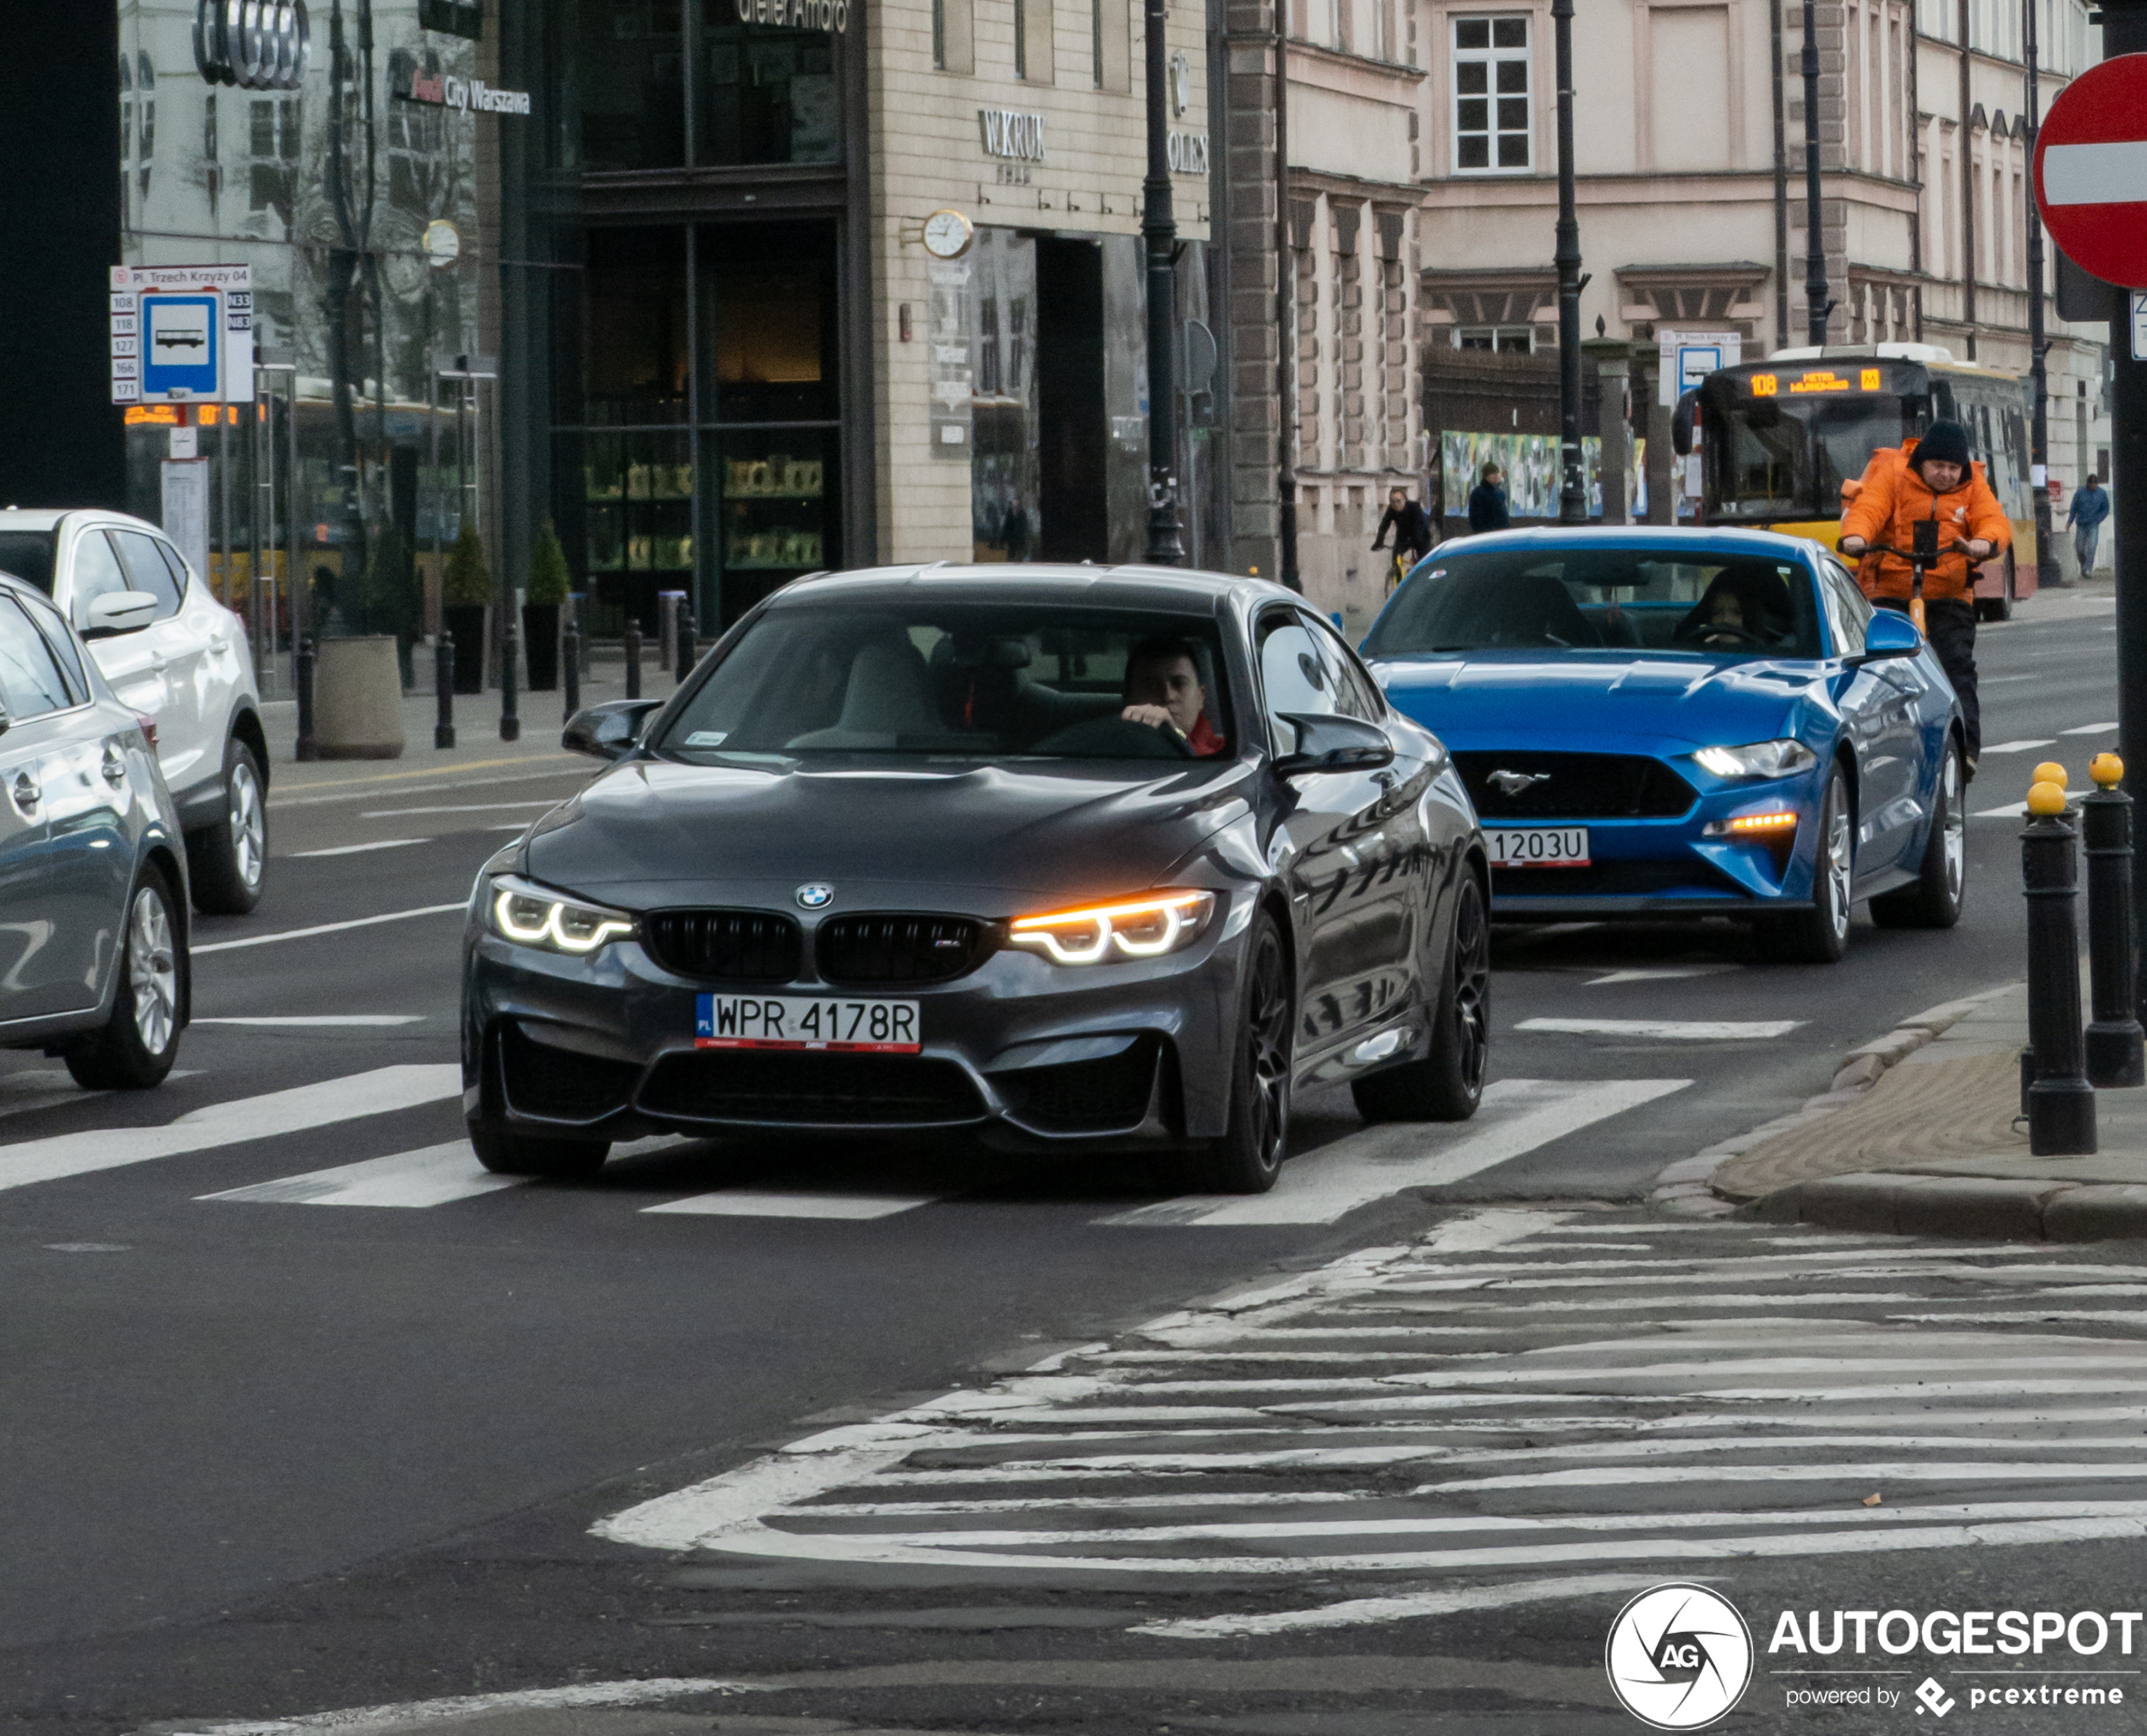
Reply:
x=532, y=915
x=1144, y=927
x=1760, y=759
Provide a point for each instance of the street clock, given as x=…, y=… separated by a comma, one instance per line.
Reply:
x=948, y=235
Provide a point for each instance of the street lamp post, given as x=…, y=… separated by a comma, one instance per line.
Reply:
x=1817, y=304
x=1159, y=229
x=2047, y=570
x=1572, y=491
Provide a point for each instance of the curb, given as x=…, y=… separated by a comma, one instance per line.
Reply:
x=1685, y=1189
x=1976, y=1208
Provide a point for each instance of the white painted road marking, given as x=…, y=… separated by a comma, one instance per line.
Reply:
x=1660, y=973
x=2011, y=811
x=2091, y=728
x=325, y=1020
x=772, y=1203
x=434, y=1175
x=355, y=1720
x=1677, y=1030
x=274, y=1115
x=463, y=808
x=300, y=934
x=1324, y=1186
x=2020, y=746
x=356, y=849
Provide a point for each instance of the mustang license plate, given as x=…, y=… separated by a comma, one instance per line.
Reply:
x=796, y=1021
x=1539, y=847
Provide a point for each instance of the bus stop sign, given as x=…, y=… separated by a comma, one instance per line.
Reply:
x=2091, y=170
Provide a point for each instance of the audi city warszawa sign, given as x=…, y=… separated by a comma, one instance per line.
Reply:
x=259, y=45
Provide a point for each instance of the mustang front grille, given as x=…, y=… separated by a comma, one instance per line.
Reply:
x=1517, y=785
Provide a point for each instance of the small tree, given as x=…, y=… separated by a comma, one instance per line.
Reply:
x=550, y=581
x=467, y=582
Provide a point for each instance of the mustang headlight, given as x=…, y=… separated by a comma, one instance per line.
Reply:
x=1760, y=759
x=533, y=915
x=1126, y=928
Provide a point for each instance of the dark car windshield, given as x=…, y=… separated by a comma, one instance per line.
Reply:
x=28, y=555
x=1705, y=602
x=962, y=680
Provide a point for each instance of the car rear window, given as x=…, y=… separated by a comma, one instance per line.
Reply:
x=1677, y=599
x=968, y=679
x=28, y=555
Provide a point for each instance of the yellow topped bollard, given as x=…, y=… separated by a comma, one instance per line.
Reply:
x=2107, y=770
x=2049, y=772
x=2045, y=798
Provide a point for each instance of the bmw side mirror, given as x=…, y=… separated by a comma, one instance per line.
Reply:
x=116, y=612
x=609, y=731
x=1330, y=744
x=1888, y=634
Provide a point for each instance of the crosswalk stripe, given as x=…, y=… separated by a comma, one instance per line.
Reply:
x=323, y=1021
x=2019, y=746
x=2090, y=728
x=274, y=1114
x=356, y=849
x=1408, y=1466
x=300, y=934
x=1518, y=1116
x=1680, y=1031
x=433, y=1175
x=776, y=1203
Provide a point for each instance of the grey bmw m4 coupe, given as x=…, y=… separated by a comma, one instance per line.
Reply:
x=1066, y=858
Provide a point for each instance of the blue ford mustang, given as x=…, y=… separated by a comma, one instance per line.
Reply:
x=1659, y=722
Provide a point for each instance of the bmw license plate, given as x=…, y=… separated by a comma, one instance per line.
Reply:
x=1539, y=847
x=800, y=1021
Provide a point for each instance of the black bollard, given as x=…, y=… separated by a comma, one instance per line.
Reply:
x=444, y=687
x=2114, y=1041
x=308, y=749
x=569, y=655
x=2061, y=1103
x=633, y=659
x=689, y=651
x=510, y=649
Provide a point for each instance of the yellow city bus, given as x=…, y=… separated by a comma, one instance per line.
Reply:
x=1779, y=438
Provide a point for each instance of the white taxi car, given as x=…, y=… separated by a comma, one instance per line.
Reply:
x=178, y=657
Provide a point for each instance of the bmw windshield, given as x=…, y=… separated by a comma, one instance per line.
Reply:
x=927, y=680
x=1685, y=600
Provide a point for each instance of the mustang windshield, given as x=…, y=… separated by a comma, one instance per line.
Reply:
x=1597, y=598
x=966, y=679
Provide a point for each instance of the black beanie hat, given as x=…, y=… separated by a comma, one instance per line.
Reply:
x=1944, y=443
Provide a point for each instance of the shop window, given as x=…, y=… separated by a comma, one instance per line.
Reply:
x=630, y=71
x=777, y=492
x=767, y=322
x=768, y=92
x=626, y=363
x=1506, y=340
x=1494, y=128
x=453, y=17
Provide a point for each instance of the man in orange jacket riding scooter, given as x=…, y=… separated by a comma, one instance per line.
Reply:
x=1934, y=481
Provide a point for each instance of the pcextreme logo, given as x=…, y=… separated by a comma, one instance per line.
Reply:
x=1678, y=1657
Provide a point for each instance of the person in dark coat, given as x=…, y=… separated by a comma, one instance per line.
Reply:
x=1412, y=528
x=1487, y=502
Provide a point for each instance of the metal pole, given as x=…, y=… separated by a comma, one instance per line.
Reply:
x=689, y=651
x=307, y=749
x=1572, y=493
x=633, y=657
x=1817, y=305
x=570, y=658
x=2124, y=31
x=2047, y=570
x=444, y=687
x=1159, y=229
x=262, y=514
x=2116, y=1052
x=2061, y=1103
x=440, y=495
x=224, y=413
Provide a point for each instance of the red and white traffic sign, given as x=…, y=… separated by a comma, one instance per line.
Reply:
x=2091, y=170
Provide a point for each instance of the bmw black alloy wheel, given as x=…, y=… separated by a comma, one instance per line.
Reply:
x=1267, y=1031
x=1472, y=988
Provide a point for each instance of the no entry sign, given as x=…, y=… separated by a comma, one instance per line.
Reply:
x=2091, y=170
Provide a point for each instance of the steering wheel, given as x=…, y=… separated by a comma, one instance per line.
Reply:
x=1115, y=739
x=1706, y=632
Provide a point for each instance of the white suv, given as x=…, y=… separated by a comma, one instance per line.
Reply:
x=177, y=656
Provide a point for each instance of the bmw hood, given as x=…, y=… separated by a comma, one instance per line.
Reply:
x=1512, y=698
x=651, y=833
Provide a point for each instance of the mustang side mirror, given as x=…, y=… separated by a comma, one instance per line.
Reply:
x=1330, y=744
x=608, y=731
x=1889, y=633
x=116, y=612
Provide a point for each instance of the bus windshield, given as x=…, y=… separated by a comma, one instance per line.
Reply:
x=1780, y=457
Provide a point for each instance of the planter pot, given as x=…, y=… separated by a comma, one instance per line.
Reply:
x=466, y=627
x=358, y=699
x=540, y=645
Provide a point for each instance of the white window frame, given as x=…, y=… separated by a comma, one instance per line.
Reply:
x=1491, y=57
x=1495, y=333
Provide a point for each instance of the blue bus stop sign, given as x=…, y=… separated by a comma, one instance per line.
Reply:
x=182, y=350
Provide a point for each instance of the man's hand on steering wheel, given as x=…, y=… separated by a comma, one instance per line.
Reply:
x=1156, y=716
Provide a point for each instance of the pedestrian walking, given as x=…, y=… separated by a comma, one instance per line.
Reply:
x=1412, y=528
x=2084, y=517
x=1935, y=480
x=1487, y=502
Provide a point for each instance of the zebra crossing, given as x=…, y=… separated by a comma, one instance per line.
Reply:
x=1525, y=1404
x=1321, y=1187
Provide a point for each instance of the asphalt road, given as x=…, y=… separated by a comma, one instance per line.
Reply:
x=297, y=1412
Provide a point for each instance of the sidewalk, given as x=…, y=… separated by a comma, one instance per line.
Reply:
x=1935, y=1146
x=478, y=754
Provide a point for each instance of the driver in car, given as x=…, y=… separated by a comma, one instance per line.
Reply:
x=1163, y=691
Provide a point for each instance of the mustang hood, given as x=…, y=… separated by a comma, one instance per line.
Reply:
x=1514, y=695
x=653, y=832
